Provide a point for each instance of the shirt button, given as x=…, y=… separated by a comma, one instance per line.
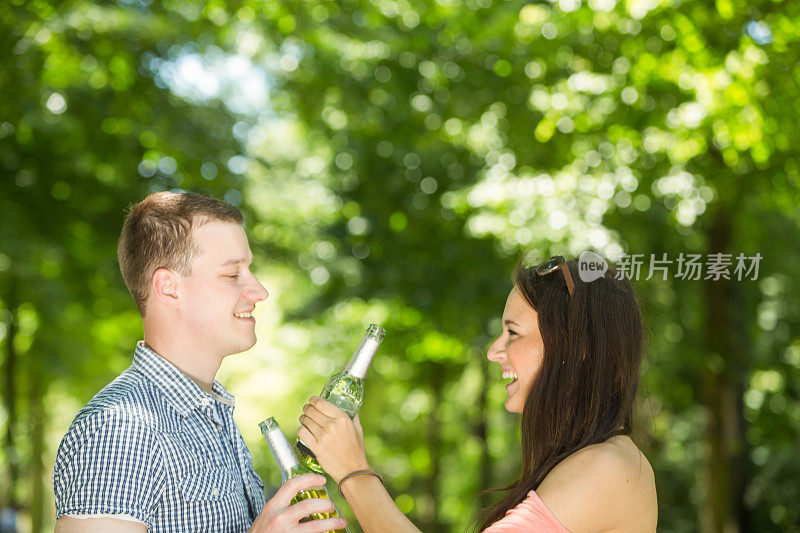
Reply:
x=215, y=492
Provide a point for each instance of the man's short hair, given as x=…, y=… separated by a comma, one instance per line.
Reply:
x=157, y=234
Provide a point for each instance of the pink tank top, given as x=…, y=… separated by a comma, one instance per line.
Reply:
x=530, y=516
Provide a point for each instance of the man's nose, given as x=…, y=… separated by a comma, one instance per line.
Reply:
x=256, y=292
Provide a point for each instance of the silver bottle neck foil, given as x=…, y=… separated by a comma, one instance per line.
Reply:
x=278, y=445
x=365, y=352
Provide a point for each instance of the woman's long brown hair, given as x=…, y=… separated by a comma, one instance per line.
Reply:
x=586, y=388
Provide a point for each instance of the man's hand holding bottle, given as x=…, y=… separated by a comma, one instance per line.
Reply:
x=279, y=515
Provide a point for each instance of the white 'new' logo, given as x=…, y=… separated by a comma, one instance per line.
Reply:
x=591, y=266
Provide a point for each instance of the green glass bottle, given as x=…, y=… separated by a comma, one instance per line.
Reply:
x=290, y=467
x=345, y=389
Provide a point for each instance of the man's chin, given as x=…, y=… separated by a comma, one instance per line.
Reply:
x=243, y=347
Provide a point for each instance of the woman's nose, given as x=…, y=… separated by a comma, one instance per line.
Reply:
x=495, y=352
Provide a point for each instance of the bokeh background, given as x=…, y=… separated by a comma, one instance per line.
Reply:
x=395, y=158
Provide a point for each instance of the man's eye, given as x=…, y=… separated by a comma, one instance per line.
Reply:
x=233, y=276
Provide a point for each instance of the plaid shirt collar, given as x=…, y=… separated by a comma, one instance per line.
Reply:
x=183, y=393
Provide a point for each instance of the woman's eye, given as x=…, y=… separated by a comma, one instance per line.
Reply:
x=234, y=276
x=512, y=332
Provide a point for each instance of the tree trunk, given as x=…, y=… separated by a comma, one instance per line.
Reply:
x=723, y=387
x=743, y=349
x=435, y=446
x=482, y=432
x=10, y=400
x=37, y=423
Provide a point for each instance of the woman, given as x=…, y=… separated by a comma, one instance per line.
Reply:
x=573, y=352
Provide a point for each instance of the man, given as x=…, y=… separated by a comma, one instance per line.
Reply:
x=157, y=449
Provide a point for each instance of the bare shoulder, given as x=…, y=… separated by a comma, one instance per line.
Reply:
x=606, y=487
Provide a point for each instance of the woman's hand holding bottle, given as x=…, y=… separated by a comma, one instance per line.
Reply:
x=336, y=440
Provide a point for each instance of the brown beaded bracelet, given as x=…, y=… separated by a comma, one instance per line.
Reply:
x=358, y=473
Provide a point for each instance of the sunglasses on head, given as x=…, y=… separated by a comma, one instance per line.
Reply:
x=557, y=262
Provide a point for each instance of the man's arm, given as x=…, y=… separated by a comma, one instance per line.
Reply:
x=109, y=467
x=69, y=524
x=278, y=514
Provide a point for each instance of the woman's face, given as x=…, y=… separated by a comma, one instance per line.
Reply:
x=519, y=349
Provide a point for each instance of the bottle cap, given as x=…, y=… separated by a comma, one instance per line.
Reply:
x=278, y=445
x=365, y=352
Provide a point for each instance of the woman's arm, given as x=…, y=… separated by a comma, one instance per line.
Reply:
x=374, y=508
x=338, y=443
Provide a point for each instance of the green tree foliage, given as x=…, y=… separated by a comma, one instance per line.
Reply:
x=396, y=157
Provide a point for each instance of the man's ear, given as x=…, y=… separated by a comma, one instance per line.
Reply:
x=164, y=286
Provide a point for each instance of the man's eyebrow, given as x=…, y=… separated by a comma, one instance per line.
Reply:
x=236, y=261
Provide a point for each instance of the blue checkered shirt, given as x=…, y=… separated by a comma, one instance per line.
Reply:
x=152, y=446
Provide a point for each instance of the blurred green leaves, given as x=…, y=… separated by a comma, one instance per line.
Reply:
x=394, y=159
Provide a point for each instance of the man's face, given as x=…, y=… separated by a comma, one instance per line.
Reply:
x=221, y=293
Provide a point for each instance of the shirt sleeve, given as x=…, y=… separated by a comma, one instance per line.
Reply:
x=109, y=463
